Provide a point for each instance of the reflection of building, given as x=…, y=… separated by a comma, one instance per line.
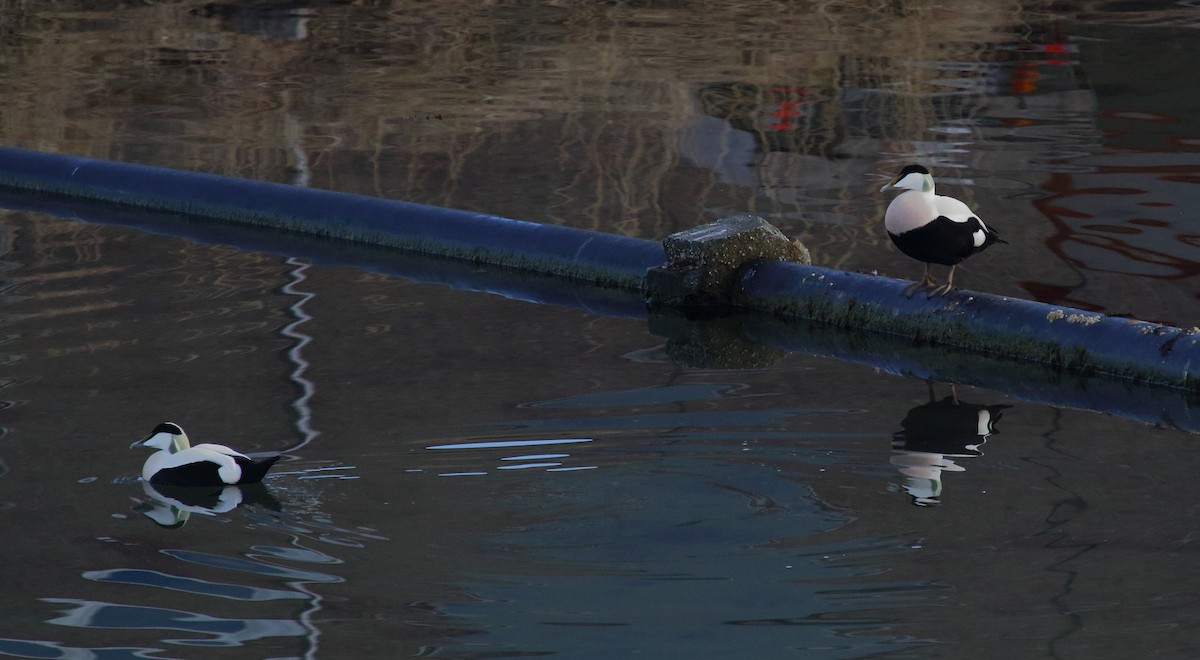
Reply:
x=1121, y=204
x=804, y=146
x=780, y=117
x=283, y=22
x=935, y=433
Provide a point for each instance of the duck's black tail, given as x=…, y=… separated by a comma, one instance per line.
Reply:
x=990, y=236
x=254, y=471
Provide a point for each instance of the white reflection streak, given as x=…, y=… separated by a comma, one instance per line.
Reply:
x=510, y=443
x=293, y=134
x=291, y=331
x=303, y=420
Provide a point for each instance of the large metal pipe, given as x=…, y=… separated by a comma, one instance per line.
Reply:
x=1064, y=339
x=603, y=259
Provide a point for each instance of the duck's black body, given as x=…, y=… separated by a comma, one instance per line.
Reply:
x=944, y=241
x=205, y=473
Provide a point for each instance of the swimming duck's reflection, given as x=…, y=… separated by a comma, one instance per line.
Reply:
x=935, y=433
x=171, y=506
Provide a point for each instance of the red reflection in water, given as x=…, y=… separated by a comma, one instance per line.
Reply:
x=1105, y=228
x=1119, y=242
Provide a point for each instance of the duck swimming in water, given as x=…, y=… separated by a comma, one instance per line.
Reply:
x=177, y=463
x=933, y=228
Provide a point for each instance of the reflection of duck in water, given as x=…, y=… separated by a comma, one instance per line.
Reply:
x=177, y=463
x=934, y=433
x=171, y=506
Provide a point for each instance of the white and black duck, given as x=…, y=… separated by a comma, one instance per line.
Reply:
x=933, y=229
x=178, y=463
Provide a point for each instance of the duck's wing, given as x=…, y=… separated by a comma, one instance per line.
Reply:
x=220, y=449
x=953, y=209
x=249, y=470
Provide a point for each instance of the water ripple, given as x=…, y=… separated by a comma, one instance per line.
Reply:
x=248, y=566
x=224, y=632
x=189, y=585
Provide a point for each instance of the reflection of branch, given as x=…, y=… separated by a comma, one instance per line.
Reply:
x=1063, y=510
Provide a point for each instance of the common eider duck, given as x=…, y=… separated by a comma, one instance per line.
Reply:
x=177, y=463
x=934, y=229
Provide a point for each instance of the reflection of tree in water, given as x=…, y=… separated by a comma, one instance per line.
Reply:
x=935, y=433
x=572, y=112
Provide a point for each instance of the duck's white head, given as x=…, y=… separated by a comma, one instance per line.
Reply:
x=913, y=177
x=167, y=436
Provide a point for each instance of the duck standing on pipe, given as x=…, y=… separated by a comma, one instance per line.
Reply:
x=933, y=228
x=177, y=463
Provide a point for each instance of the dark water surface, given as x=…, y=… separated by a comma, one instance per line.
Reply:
x=467, y=475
